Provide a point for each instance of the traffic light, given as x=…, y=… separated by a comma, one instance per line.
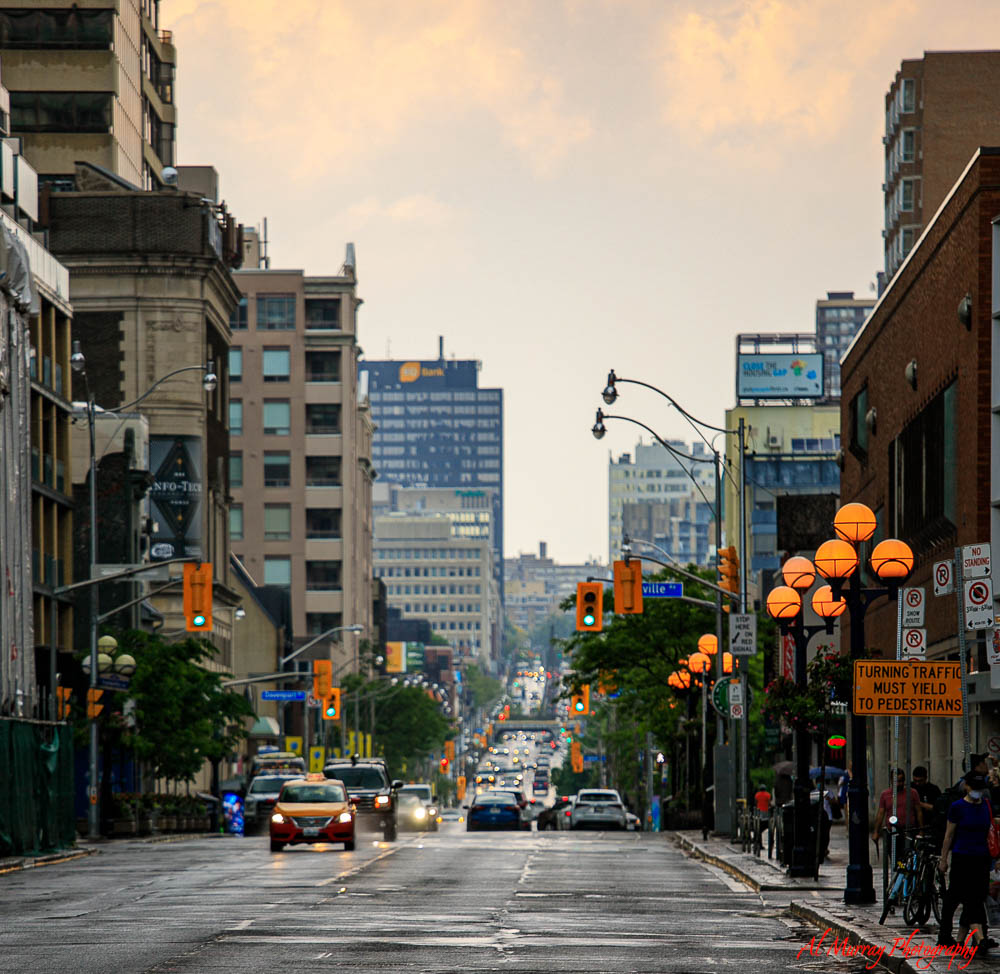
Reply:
x=94, y=705
x=449, y=750
x=579, y=705
x=460, y=787
x=322, y=678
x=444, y=765
x=729, y=573
x=331, y=704
x=62, y=702
x=589, y=607
x=628, y=587
x=506, y=711
x=576, y=757
x=198, y=597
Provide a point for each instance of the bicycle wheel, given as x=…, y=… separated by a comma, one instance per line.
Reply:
x=937, y=892
x=917, y=907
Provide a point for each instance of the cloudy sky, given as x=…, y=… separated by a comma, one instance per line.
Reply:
x=560, y=187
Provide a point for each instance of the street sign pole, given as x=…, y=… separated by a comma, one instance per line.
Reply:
x=963, y=661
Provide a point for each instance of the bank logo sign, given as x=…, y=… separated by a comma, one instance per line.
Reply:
x=411, y=371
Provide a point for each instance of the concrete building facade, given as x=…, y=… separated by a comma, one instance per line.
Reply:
x=536, y=585
x=91, y=81
x=301, y=438
x=919, y=437
x=653, y=475
x=938, y=110
x=839, y=316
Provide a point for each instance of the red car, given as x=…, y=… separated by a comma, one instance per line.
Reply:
x=313, y=809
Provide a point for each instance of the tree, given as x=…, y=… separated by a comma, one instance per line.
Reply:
x=484, y=689
x=408, y=727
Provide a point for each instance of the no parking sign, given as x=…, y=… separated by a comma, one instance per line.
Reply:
x=914, y=643
x=979, y=603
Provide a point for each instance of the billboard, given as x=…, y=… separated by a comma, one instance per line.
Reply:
x=395, y=657
x=175, y=462
x=779, y=375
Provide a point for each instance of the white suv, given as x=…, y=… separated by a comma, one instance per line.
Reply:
x=598, y=808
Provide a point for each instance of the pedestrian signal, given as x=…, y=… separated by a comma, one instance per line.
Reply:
x=94, y=705
x=628, y=587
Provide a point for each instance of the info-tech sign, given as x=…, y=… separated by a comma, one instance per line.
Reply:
x=779, y=375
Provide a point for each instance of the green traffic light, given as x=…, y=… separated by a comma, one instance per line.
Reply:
x=578, y=705
x=588, y=619
x=198, y=620
x=331, y=711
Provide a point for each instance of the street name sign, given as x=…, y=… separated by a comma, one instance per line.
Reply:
x=112, y=681
x=907, y=688
x=914, y=643
x=944, y=578
x=287, y=695
x=142, y=573
x=662, y=590
x=975, y=561
x=979, y=603
x=913, y=607
x=743, y=634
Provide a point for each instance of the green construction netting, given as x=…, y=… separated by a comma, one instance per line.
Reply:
x=36, y=796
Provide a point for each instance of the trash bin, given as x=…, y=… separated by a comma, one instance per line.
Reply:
x=788, y=833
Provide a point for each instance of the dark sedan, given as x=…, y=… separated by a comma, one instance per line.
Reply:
x=493, y=811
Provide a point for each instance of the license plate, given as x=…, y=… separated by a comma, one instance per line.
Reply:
x=494, y=811
x=310, y=833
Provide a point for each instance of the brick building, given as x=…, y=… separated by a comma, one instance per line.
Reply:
x=915, y=429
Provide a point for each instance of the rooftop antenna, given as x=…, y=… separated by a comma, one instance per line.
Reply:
x=264, y=259
x=440, y=348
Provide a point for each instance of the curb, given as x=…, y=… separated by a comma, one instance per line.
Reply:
x=51, y=859
x=733, y=870
x=854, y=935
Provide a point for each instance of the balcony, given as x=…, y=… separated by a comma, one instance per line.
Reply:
x=327, y=601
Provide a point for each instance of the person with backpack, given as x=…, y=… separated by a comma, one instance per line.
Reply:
x=966, y=846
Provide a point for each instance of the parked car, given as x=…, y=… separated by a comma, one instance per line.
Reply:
x=600, y=808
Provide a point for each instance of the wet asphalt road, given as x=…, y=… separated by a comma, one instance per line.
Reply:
x=450, y=901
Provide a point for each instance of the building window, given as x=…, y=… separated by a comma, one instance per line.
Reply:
x=277, y=570
x=323, y=576
x=906, y=195
x=322, y=522
x=909, y=238
x=859, y=425
x=277, y=469
x=276, y=312
x=235, y=417
x=236, y=521
x=277, y=522
x=922, y=462
x=322, y=366
x=323, y=313
x=235, y=470
x=235, y=364
x=277, y=417
x=908, y=145
x=322, y=471
x=275, y=364
x=319, y=622
x=909, y=95
x=86, y=30
x=238, y=319
x=60, y=111
x=322, y=417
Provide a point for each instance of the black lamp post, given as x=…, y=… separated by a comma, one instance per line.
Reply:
x=838, y=562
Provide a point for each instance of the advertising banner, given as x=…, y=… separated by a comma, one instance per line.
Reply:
x=395, y=657
x=779, y=375
x=175, y=462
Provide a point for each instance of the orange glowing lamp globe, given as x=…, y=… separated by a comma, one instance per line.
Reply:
x=708, y=644
x=799, y=573
x=699, y=663
x=675, y=681
x=825, y=605
x=685, y=678
x=854, y=522
x=892, y=560
x=727, y=663
x=784, y=602
x=836, y=559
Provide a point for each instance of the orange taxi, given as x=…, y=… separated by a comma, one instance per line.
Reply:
x=312, y=809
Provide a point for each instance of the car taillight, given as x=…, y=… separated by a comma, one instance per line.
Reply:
x=568, y=813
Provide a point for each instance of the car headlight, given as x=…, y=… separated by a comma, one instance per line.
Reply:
x=381, y=801
x=420, y=813
x=344, y=817
x=432, y=811
x=278, y=818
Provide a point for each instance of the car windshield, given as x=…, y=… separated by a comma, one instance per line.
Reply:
x=357, y=777
x=268, y=786
x=423, y=792
x=597, y=796
x=410, y=801
x=495, y=800
x=304, y=793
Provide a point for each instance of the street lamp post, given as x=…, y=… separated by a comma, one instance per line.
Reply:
x=838, y=561
x=784, y=603
x=78, y=363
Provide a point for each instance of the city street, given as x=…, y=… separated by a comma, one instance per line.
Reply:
x=441, y=902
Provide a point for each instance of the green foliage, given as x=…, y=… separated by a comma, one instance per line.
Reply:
x=485, y=689
x=828, y=676
x=567, y=782
x=183, y=715
x=408, y=726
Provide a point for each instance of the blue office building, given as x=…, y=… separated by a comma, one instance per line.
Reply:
x=435, y=427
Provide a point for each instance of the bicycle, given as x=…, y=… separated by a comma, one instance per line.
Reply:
x=905, y=872
x=743, y=824
x=927, y=891
x=761, y=821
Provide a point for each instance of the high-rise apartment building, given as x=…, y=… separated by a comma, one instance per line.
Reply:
x=654, y=475
x=839, y=317
x=300, y=441
x=91, y=82
x=536, y=584
x=437, y=428
x=939, y=109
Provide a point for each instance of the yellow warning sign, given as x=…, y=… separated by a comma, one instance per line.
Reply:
x=907, y=688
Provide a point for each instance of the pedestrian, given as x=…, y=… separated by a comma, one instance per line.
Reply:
x=828, y=794
x=842, y=786
x=929, y=793
x=965, y=842
x=762, y=799
x=906, y=806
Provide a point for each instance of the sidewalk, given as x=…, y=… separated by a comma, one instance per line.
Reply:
x=821, y=903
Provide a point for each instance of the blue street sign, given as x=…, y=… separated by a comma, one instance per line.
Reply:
x=662, y=590
x=588, y=758
x=293, y=695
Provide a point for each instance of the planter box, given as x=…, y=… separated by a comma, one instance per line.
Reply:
x=168, y=823
x=123, y=826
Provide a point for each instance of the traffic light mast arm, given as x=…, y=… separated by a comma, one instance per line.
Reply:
x=133, y=570
x=693, y=577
